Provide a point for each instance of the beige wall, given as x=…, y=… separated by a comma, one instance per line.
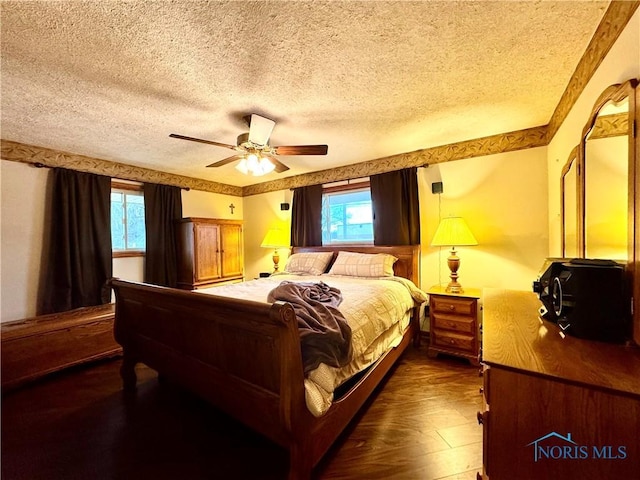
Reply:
x=23, y=218
x=621, y=63
x=503, y=199
x=262, y=212
x=23, y=211
x=211, y=205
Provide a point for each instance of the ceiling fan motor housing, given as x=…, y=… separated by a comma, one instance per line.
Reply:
x=243, y=138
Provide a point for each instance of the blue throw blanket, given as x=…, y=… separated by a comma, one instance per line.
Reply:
x=325, y=335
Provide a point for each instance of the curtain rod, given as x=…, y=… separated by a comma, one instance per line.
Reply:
x=42, y=165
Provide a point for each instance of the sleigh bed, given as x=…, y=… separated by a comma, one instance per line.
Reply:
x=244, y=356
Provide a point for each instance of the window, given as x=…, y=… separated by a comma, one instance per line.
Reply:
x=347, y=215
x=127, y=220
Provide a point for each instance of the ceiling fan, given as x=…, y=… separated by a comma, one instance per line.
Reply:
x=255, y=154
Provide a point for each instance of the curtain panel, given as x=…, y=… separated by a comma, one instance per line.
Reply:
x=77, y=258
x=306, y=217
x=162, y=209
x=396, y=208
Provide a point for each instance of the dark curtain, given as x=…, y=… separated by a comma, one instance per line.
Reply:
x=396, y=209
x=77, y=259
x=306, y=217
x=162, y=207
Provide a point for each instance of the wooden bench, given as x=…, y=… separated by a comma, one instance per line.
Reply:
x=34, y=347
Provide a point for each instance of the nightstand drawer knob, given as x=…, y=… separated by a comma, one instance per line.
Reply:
x=452, y=307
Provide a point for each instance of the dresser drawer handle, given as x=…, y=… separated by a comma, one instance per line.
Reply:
x=452, y=325
x=452, y=307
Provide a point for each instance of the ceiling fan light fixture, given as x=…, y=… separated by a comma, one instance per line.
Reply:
x=266, y=165
x=255, y=165
x=242, y=166
x=252, y=162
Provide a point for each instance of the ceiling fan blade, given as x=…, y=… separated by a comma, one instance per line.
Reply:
x=260, y=129
x=200, y=140
x=302, y=150
x=225, y=161
x=280, y=167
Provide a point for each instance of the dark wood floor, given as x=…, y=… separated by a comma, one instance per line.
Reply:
x=420, y=425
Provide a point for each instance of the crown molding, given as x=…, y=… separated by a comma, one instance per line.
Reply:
x=491, y=145
x=501, y=143
x=46, y=157
x=613, y=22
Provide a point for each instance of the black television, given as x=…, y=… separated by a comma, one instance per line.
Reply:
x=586, y=298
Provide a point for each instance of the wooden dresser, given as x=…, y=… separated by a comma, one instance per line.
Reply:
x=209, y=251
x=453, y=323
x=555, y=408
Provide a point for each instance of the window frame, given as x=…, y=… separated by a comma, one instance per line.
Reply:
x=117, y=186
x=350, y=186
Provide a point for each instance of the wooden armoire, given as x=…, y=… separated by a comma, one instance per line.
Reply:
x=210, y=251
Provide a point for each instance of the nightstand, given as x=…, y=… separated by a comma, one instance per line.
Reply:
x=453, y=322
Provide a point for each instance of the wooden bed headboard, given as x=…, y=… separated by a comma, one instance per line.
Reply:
x=407, y=266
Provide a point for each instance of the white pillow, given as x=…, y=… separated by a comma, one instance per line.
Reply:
x=309, y=263
x=363, y=264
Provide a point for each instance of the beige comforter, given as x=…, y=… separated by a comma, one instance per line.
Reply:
x=377, y=310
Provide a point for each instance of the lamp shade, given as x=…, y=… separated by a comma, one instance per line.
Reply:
x=453, y=231
x=276, y=238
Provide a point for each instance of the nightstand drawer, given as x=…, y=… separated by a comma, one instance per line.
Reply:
x=460, y=306
x=446, y=339
x=454, y=320
x=454, y=323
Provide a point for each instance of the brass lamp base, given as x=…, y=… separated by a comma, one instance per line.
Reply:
x=276, y=260
x=453, y=262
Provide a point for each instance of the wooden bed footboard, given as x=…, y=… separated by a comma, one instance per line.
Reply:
x=243, y=357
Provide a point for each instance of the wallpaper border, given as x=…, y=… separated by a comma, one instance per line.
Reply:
x=610, y=126
x=40, y=156
x=480, y=147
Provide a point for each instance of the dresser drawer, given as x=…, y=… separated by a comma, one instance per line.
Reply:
x=454, y=323
x=446, y=339
x=455, y=305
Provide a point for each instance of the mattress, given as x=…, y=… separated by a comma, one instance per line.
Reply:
x=378, y=311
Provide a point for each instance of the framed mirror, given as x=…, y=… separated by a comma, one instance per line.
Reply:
x=606, y=179
x=568, y=205
x=608, y=185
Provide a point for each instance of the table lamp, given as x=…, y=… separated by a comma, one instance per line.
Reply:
x=276, y=238
x=452, y=232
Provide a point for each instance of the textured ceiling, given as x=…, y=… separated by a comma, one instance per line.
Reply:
x=112, y=79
